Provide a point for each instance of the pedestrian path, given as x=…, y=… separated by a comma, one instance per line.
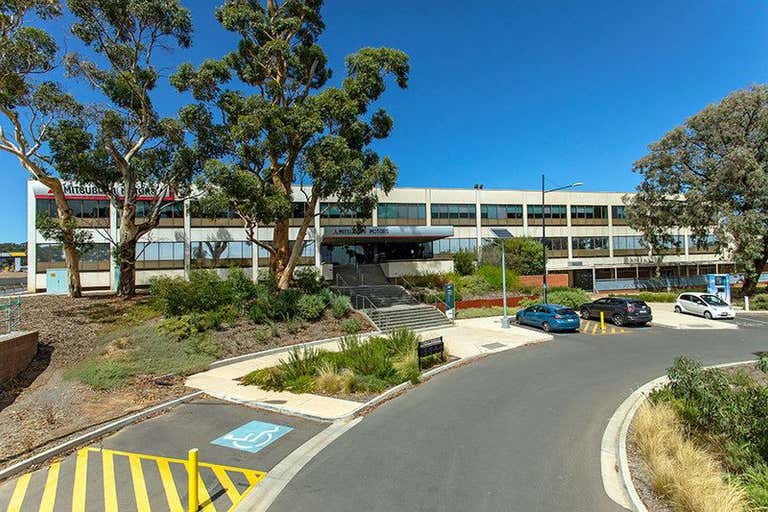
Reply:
x=113, y=480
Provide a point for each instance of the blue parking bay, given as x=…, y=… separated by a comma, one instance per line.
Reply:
x=253, y=436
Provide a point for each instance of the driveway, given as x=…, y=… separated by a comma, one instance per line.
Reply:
x=519, y=431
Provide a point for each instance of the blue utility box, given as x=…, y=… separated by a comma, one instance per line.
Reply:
x=720, y=285
x=57, y=281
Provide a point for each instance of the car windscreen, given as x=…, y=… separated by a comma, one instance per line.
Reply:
x=713, y=300
x=565, y=311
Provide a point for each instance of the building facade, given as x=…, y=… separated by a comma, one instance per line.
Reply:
x=412, y=230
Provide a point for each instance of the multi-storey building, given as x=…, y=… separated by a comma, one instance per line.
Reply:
x=412, y=230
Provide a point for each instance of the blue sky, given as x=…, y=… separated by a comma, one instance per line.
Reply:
x=501, y=91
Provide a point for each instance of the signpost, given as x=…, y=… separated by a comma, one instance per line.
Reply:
x=430, y=347
x=450, y=301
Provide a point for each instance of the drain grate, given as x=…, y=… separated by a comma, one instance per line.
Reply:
x=494, y=346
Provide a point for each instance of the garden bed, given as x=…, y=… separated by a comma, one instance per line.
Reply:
x=359, y=370
x=698, y=443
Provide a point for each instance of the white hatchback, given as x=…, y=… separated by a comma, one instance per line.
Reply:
x=704, y=304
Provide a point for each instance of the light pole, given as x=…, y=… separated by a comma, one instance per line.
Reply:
x=544, y=232
x=502, y=235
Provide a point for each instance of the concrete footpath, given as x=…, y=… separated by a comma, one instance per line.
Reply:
x=468, y=338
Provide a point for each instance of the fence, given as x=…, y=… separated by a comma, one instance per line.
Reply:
x=10, y=314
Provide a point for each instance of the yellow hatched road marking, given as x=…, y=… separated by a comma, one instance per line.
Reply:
x=110, y=491
x=78, y=491
x=49, y=494
x=19, y=492
x=228, y=485
x=174, y=503
x=613, y=330
x=594, y=329
x=139, y=487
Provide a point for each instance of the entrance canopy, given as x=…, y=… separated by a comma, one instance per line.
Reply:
x=385, y=234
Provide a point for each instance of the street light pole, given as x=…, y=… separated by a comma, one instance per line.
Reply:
x=505, y=318
x=544, y=233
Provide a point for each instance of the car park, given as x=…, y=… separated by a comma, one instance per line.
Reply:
x=707, y=305
x=619, y=310
x=549, y=317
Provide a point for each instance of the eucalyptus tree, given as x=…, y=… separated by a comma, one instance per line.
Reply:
x=122, y=145
x=269, y=121
x=29, y=104
x=711, y=175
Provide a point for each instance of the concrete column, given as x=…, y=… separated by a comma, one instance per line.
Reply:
x=319, y=234
x=31, y=238
x=525, y=219
x=255, y=258
x=478, y=223
x=428, y=205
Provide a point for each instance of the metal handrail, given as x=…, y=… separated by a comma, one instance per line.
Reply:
x=11, y=307
x=445, y=306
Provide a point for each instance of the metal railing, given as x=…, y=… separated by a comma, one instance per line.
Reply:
x=425, y=298
x=10, y=314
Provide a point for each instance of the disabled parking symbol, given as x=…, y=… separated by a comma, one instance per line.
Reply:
x=253, y=436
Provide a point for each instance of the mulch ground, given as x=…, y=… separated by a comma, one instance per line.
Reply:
x=40, y=407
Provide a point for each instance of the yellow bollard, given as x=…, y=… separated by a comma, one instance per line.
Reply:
x=192, y=472
x=602, y=322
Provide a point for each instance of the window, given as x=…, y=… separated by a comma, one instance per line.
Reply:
x=589, y=212
x=402, y=211
x=307, y=250
x=629, y=243
x=160, y=251
x=81, y=208
x=704, y=244
x=454, y=245
x=501, y=211
x=590, y=243
x=617, y=213
x=298, y=210
x=337, y=211
x=453, y=213
x=96, y=258
x=557, y=211
x=557, y=243
x=676, y=244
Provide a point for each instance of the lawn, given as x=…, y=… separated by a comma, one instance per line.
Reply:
x=484, y=312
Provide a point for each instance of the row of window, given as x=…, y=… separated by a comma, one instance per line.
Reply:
x=99, y=209
x=454, y=245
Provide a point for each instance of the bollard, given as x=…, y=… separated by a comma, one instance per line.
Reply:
x=192, y=473
x=602, y=322
x=746, y=303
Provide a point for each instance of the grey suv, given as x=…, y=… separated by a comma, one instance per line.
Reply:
x=619, y=310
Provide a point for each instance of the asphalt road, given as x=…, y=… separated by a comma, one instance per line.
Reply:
x=516, y=431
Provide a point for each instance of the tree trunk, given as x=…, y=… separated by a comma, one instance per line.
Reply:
x=278, y=262
x=298, y=245
x=68, y=227
x=126, y=252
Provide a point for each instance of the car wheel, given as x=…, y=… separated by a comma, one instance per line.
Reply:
x=708, y=315
x=678, y=309
x=585, y=313
x=618, y=320
x=546, y=327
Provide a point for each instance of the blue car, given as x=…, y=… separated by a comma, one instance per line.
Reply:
x=550, y=317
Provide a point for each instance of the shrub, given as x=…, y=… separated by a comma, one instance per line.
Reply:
x=475, y=285
x=104, y=375
x=571, y=297
x=310, y=307
x=759, y=302
x=243, y=287
x=205, y=291
x=755, y=481
x=332, y=381
x=464, y=262
x=492, y=276
x=524, y=256
x=351, y=326
x=339, y=305
x=652, y=296
x=308, y=280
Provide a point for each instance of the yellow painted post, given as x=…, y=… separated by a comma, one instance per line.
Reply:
x=192, y=472
x=602, y=322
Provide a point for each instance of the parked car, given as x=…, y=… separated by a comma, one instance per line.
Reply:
x=704, y=304
x=550, y=317
x=619, y=310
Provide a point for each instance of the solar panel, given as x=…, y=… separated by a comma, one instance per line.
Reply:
x=501, y=233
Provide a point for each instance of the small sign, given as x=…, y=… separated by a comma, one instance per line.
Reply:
x=450, y=301
x=252, y=437
x=430, y=347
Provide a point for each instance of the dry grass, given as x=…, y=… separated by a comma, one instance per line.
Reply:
x=689, y=477
x=332, y=381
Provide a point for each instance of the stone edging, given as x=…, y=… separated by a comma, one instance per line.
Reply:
x=93, y=434
x=618, y=444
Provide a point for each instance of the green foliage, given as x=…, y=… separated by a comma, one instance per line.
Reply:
x=359, y=366
x=652, y=296
x=762, y=363
x=309, y=280
x=572, y=297
x=464, y=262
x=759, y=302
x=204, y=291
x=310, y=307
x=755, y=483
x=493, y=276
x=65, y=230
x=351, y=326
x=104, y=375
x=340, y=306
x=717, y=162
x=524, y=256
x=265, y=107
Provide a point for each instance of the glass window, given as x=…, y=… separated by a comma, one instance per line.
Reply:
x=590, y=243
x=411, y=211
x=631, y=242
x=617, y=212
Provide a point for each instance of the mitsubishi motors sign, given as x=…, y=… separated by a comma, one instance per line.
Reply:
x=75, y=190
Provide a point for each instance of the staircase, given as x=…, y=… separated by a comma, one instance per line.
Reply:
x=388, y=306
x=421, y=316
